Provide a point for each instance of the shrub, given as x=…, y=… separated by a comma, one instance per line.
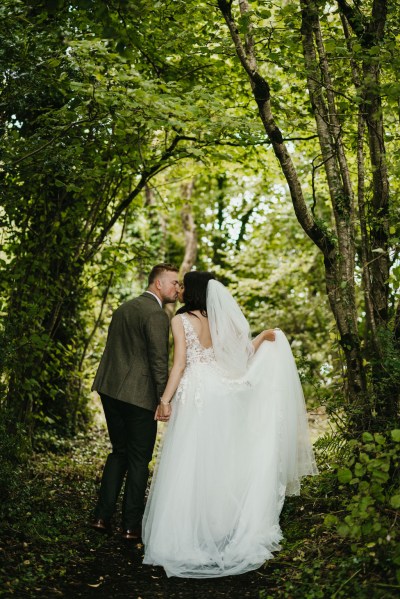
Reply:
x=369, y=481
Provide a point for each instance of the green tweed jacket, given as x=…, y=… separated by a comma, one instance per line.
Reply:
x=134, y=365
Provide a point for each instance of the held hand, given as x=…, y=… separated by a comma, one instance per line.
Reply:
x=163, y=412
x=269, y=335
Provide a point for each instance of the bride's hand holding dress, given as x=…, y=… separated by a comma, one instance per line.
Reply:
x=267, y=335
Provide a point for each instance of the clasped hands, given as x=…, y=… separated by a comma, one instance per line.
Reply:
x=163, y=412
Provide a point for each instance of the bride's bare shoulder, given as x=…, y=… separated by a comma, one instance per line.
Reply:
x=177, y=326
x=176, y=319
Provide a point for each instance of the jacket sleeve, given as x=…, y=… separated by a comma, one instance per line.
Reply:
x=156, y=332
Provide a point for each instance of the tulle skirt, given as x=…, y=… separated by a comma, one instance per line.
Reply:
x=232, y=450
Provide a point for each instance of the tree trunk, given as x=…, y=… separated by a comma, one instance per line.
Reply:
x=189, y=229
x=190, y=235
x=338, y=257
x=374, y=219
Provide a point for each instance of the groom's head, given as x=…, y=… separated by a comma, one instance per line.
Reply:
x=163, y=281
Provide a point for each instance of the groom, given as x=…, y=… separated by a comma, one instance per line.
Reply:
x=130, y=380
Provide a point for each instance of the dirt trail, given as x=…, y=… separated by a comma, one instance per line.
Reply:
x=117, y=572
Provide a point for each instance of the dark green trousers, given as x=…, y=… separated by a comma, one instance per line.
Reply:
x=132, y=433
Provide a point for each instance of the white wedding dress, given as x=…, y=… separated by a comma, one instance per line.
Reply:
x=233, y=449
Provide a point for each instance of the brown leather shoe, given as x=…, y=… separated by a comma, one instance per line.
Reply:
x=101, y=525
x=132, y=534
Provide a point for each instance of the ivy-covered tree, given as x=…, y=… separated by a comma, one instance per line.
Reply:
x=91, y=112
x=347, y=106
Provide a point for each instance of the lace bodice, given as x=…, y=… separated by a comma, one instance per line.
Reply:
x=195, y=352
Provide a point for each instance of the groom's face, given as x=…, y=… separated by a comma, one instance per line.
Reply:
x=168, y=286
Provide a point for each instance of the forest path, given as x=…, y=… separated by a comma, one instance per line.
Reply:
x=117, y=572
x=115, y=569
x=109, y=567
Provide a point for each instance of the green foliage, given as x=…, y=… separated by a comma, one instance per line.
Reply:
x=14, y=452
x=341, y=537
x=120, y=99
x=369, y=485
x=315, y=562
x=44, y=509
x=103, y=111
x=107, y=109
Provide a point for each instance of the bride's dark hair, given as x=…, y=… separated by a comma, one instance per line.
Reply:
x=195, y=292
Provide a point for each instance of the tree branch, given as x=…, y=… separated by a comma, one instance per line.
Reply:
x=146, y=175
x=52, y=140
x=353, y=16
x=261, y=93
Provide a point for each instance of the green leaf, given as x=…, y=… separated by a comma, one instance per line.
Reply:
x=330, y=45
x=395, y=501
x=330, y=520
x=364, y=457
x=379, y=476
x=344, y=475
x=343, y=530
x=395, y=434
x=380, y=439
x=359, y=469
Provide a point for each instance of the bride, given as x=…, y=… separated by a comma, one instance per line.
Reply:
x=237, y=441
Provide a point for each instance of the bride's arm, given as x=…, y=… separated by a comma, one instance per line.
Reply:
x=268, y=335
x=177, y=368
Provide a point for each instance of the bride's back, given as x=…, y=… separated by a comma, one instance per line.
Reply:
x=201, y=327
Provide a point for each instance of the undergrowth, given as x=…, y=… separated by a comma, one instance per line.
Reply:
x=341, y=533
x=45, y=502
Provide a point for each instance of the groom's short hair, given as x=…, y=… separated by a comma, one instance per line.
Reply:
x=158, y=269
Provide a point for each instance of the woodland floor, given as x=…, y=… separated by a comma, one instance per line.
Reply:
x=48, y=549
